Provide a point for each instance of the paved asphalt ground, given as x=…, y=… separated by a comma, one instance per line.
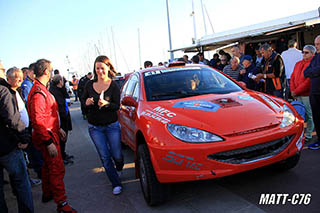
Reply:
x=89, y=190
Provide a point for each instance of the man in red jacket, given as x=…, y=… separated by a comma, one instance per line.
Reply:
x=300, y=86
x=43, y=113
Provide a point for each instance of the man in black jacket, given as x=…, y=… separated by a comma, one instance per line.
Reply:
x=14, y=137
x=57, y=91
x=272, y=71
x=82, y=83
x=313, y=72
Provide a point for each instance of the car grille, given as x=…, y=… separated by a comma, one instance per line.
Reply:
x=253, y=153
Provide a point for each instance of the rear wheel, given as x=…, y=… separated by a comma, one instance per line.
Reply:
x=154, y=192
x=288, y=163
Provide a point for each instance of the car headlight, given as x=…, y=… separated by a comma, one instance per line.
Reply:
x=288, y=117
x=192, y=135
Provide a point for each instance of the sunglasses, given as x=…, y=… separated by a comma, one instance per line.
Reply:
x=305, y=52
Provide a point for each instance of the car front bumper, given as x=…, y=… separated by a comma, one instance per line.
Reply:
x=189, y=162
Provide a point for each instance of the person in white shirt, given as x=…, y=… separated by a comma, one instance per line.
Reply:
x=290, y=58
x=15, y=79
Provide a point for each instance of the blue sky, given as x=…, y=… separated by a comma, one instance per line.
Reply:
x=54, y=29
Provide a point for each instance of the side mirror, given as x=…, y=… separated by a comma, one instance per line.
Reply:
x=242, y=84
x=129, y=101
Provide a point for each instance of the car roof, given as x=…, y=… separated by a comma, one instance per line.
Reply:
x=170, y=67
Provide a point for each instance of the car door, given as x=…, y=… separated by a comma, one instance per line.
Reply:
x=128, y=110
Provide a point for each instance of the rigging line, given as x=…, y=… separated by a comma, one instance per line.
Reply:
x=101, y=43
x=109, y=43
x=114, y=49
x=96, y=48
x=124, y=58
x=205, y=8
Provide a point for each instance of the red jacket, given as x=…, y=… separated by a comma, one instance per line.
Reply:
x=298, y=83
x=43, y=113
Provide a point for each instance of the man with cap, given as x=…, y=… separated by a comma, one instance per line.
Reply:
x=249, y=72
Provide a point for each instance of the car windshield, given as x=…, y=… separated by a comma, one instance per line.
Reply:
x=184, y=82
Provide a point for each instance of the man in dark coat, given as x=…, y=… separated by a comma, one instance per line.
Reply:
x=248, y=74
x=272, y=71
x=82, y=83
x=57, y=91
x=14, y=137
x=313, y=72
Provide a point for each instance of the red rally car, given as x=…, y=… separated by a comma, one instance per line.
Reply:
x=192, y=122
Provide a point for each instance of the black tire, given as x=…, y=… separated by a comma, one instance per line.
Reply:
x=288, y=163
x=154, y=192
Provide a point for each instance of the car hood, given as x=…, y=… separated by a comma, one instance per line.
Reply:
x=228, y=114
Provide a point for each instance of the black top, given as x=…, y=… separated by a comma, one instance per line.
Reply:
x=107, y=114
x=82, y=84
x=65, y=118
x=274, y=64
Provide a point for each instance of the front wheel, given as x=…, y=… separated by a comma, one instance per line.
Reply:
x=154, y=192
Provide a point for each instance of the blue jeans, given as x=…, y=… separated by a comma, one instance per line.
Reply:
x=35, y=159
x=108, y=145
x=15, y=164
x=310, y=126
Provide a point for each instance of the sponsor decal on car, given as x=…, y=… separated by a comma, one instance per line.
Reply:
x=198, y=105
x=159, y=114
x=182, y=160
x=299, y=142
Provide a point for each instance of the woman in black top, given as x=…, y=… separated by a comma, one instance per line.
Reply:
x=102, y=100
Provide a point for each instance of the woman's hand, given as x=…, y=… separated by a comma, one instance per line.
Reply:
x=102, y=103
x=89, y=101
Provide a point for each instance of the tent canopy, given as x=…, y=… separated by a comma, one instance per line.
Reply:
x=256, y=31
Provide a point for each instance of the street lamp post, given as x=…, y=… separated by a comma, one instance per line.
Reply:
x=169, y=31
